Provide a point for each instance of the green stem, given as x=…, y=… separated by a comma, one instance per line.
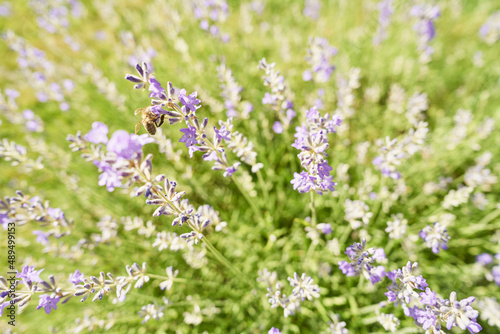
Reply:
x=482, y=224
x=247, y=197
x=225, y=261
x=263, y=186
x=345, y=235
x=313, y=210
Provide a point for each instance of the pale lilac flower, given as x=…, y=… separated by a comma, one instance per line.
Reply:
x=278, y=127
x=274, y=331
x=461, y=314
x=48, y=303
x=312, y=9
x=319, y=56
x=4, y=220
x=30, y=274
x=222, y=133
x=5, y=9
x=76, y=277
x=428, y=297
x=303, y=287
x=361, y=261
x=98, y=133
x=108, y=176
x=490, y=30
x=157, y=91
x=386, y=10
x=126, y=145
x=41, y=237
x=325, y=228
x=425, y=28
x=484, y=259
x=189, y=137
x=436, y=237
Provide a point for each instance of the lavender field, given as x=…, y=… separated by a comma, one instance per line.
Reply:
x=255, y=166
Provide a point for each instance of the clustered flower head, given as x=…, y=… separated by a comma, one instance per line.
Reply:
x=392, y=153
x=115, y=157
x=362, y=262
x=18, y=155
x=488, y=262
x=194, y=136
x=311, y=140
x=280, y=97
x=22, y=209
x=490, y=30
x=319, y=55
x=54, y=16
x=312, y=9
x=436, y=237
x=357, y=213
x=303, y=288
x=426, y=308
x=230, y=91
x=386, y=9
x=397, y=226
x=425, y=28
x=210, y=13
x=39, y=72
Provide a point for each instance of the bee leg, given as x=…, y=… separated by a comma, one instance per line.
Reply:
x=161, y=119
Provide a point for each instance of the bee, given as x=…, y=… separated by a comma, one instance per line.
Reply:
x=149, y=119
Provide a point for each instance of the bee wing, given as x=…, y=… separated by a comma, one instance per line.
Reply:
x=138, y=127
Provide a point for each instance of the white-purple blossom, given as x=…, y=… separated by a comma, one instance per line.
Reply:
x=362, y=262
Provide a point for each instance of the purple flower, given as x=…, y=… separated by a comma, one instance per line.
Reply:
x=428, y=297
x=5, y=9
x=41, y=237
x=307, y=75
x=277, y=127
x=324, y=169
x=158, y=110
x=11, y=93
x=274, y=331
x=436, y=237
x=28, y=114
x=47, y=303
x=76, y=277
x=302, y=182
x=126, y=145
x=325, y=228
x=312, y=114
x=230, y=171
x=155, y=88
x=424, y=317
x=461, y=314
x=108, y=177
x=326, y=184
x=347, y=268
x=4, y=220
x=2, y=306
x=290, y=113
x=190, y=101
x=484, y=259
x=98, y=134
x=495, y=271
x=269, y=99
x=30, y=274
x=55, y=213
x=223, y=133
x=189, y=137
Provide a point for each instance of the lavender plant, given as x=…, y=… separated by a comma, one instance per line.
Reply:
x=392, y=132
